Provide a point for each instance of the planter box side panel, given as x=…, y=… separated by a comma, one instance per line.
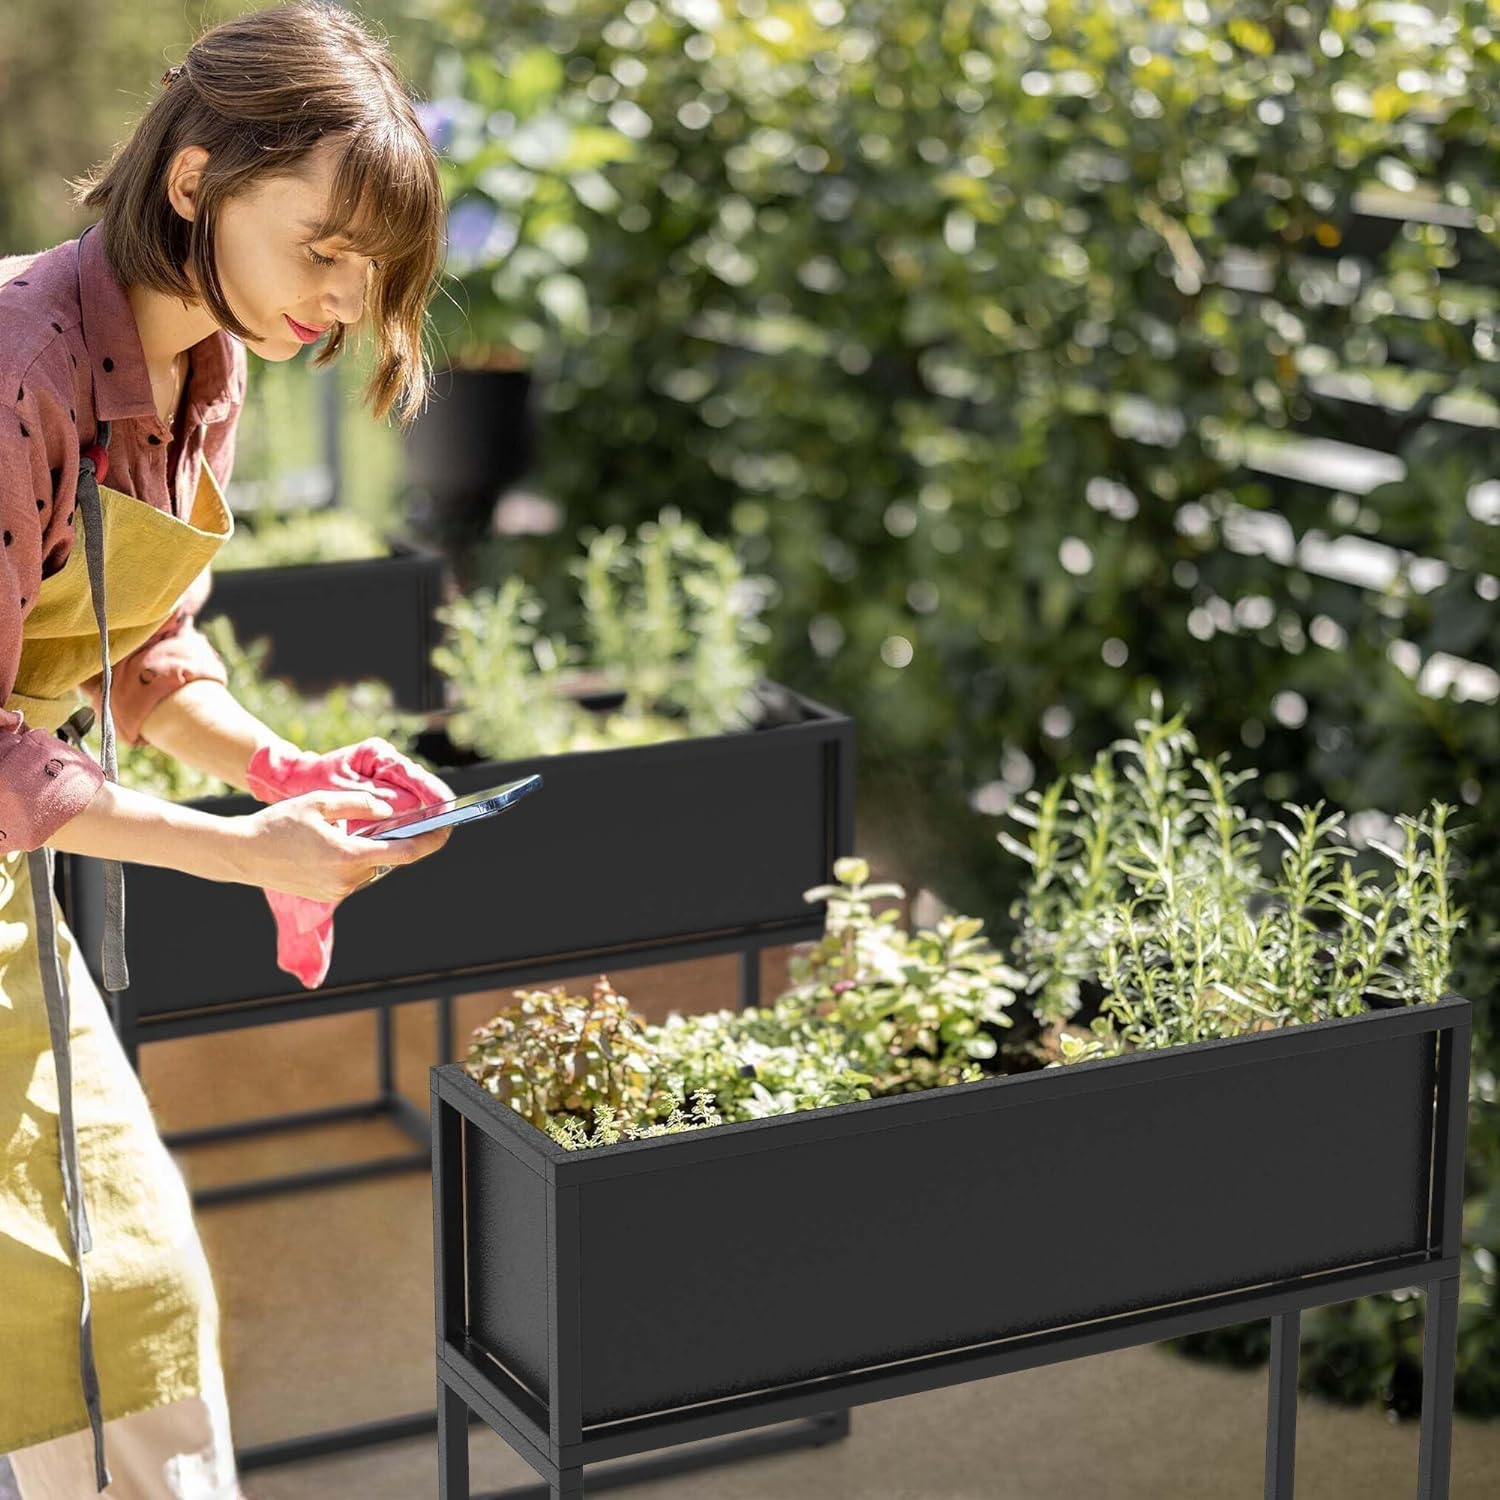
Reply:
x=619, y=847
x=505, y=1205
x=615, y=848
x=339, y=622
x=919, y=1238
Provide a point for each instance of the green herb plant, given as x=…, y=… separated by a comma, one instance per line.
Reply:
x=506, y=676
x=273, y=539
x=555, y=1053
x=670, y=621
x=912, y=1010
x=1151, y=884
x=876, y=1011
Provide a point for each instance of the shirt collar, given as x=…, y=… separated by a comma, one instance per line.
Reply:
x=110, y=333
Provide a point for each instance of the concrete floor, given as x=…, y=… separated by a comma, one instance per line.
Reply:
x=327, y=1301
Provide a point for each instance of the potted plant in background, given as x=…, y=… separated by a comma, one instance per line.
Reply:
x=519, y=166
x=334, y=601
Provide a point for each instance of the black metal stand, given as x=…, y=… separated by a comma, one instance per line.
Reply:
x=388, y=1102
x=561, y=1388
x=809, y=1432
x=465, y=1392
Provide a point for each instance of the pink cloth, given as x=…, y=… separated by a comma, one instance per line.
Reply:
x=304, y=928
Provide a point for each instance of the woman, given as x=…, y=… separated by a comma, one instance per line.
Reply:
x=282, y=178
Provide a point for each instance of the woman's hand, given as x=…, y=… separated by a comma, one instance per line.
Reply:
x=297, y=845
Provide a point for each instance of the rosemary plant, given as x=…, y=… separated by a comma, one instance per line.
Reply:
x=670, y=622
x=1151, y=884
x=506, y=674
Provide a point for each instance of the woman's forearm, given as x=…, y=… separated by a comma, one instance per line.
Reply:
x=123, y=824
x=205, y=727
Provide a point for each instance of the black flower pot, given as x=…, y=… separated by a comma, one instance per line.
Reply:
x=474, y=441
x=343, y=621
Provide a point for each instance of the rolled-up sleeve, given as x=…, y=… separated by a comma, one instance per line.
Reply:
x=44, y=781
x=179, y=652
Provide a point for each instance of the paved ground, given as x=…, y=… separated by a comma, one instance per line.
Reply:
x=328, y=1321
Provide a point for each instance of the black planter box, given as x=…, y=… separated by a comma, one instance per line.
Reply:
x=670, y=849
x=342, y=621
x=870, y=1250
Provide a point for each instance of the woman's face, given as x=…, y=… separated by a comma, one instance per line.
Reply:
x=265, y=256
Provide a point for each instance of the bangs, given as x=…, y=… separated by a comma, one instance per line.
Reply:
x=384, y=200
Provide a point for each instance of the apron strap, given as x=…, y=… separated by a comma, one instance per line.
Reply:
x=54, y=981
x=116, y=975
x=59, y=1022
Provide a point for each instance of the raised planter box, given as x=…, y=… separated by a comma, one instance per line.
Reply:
x=690, y=846
x=342, y=621
x=871, y=1250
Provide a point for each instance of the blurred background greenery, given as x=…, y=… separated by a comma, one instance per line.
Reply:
x=1042, y=352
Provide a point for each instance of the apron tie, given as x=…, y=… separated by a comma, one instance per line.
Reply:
x=54, y=981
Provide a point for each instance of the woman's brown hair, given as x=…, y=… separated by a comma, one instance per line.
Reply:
x=259, y=93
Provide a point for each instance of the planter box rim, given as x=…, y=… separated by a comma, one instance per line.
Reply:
x=539, y=1151
x=337, y=564
x=824, y=718
x=436, y=721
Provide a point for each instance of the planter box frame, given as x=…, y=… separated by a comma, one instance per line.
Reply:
x=343, y=621
x=775, y=804
x=1356, y=1187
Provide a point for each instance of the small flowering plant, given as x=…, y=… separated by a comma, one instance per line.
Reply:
x=875, y=1011
x=914, y=1010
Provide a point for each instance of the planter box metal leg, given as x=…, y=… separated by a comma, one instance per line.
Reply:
x=875, y=1249
x=388, y=1103
x=1281, y=1414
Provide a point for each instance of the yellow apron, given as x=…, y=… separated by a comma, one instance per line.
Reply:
x=136, y=1327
